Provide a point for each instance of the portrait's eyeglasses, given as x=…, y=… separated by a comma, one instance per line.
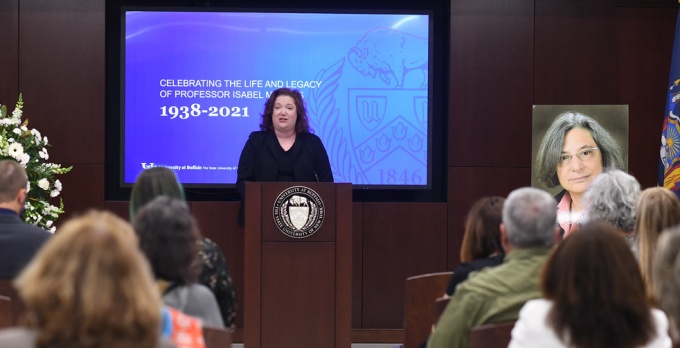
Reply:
x=584, y=155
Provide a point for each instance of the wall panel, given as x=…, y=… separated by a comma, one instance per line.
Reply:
x=576, y=58
x=62, y=76
x=83, y=189
x=9, y=59
x=491, y=82
x=400, y=240
x=357, y=264
x=643, y=35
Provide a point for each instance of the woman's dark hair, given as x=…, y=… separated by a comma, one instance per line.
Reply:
x=302, y=123
x=597, y=290
x=151, y=183
x=167, y=236
x=482, y=229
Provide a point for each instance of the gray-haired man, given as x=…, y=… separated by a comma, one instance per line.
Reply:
x=497, y=294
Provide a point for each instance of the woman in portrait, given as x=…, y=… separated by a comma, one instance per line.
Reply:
x=284, y=149
x=215, y=274
x=593, y=296
x=573, y=152
x=89, y=286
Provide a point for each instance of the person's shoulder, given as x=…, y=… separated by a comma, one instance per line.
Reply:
x=36, y=233
x=660, y=319
x=199, y=290
x=18, y=337
x=207, y=245
x=662, y=338
x=537, y=306
x=308, y=136
x=479, y=264
x=29, y=232
x=257, y=135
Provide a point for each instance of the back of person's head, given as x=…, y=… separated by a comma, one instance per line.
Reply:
x=529, y=216
x=611, y=197
x=89, y=286
x=597, y=290
x=667, y=275
x=482, y=229
x=151, y=183
x=167, y=236
x=657, y=209
x=12, y=179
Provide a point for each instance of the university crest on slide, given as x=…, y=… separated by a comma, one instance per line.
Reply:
x=388, y=128
x=298, y=212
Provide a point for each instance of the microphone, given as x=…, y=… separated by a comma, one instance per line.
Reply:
x=316, y=176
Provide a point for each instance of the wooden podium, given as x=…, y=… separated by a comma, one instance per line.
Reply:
x=298, y=287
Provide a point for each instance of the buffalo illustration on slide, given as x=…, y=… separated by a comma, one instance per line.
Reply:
x=386, y=52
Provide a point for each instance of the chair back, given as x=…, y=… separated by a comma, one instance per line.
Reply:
x=18, y=308
x=491, y=335
x=6, y=317
x=216, y=337
x=419, y=299
x=439, y=307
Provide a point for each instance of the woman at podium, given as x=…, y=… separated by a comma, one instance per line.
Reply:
x=284, y=149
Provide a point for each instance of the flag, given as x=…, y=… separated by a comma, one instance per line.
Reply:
x=669, y=161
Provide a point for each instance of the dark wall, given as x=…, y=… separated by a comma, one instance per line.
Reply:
x=505, y=56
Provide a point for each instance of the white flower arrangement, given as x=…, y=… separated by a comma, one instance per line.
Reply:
x=29, y=148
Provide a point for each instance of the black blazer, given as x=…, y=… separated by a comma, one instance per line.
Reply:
x=19, y=242
x=258, y=161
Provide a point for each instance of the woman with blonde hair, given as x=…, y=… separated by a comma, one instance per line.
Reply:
x=89, y=286
x=657, y=209
x=667, y=278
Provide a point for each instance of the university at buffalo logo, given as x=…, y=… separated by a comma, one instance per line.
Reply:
x=299, y=212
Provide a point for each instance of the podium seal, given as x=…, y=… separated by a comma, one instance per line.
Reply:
x=298, y=212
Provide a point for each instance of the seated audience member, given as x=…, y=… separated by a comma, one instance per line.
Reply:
x=19, y=241
x=594, y=296
x=167, y=236
x=657, y=209
x=612, y=197
x=89, y=286
x=482, y=240
x=667, y=278
x=160, y=181
x=496, y=294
